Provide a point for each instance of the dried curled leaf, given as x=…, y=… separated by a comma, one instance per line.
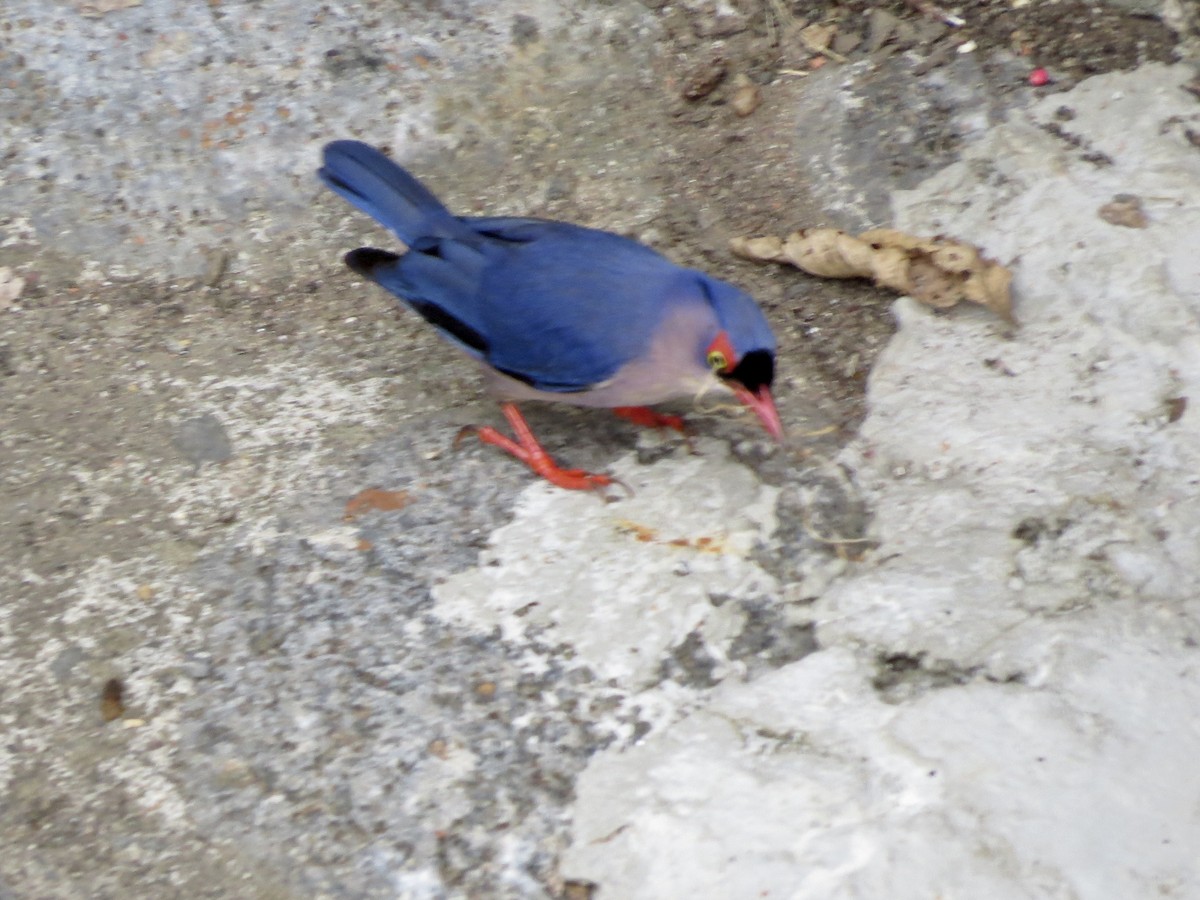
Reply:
x=938, y=272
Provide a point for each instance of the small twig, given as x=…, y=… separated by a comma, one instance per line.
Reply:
x=820, y=432
x=936, y=12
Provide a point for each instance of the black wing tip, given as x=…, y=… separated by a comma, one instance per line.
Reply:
x=365, y=260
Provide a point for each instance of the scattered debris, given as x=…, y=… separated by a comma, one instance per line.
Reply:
x=938, y=272
x=936, y=12
x=375, y=499
x=1125, y=210
x=112, y=703
x=703, y=79
x=485, y=690
x=1051, y=33
x=818, y=38
x=579, y=890
x=747, y=96
x=216, y=263
x=1176, y=407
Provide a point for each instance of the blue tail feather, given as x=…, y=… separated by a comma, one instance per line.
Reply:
x=387, y=193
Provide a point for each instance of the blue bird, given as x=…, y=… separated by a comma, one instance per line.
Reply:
x=557, y=312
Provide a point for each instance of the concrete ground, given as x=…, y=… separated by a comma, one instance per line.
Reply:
x=265, y=632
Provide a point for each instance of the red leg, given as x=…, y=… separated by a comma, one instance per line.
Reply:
x=529, y=451
x=648, y=418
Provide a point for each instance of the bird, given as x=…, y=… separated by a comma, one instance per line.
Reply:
x=557, y=312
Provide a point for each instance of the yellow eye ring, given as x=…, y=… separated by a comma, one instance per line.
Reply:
x=717, y=361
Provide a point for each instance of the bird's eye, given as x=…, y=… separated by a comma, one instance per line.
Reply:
x=717, y=361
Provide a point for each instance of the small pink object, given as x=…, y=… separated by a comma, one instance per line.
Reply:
x=1039, y=77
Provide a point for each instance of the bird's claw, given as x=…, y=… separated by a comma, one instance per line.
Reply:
x=581, y=480
x=462, y=433
x=529, y=451
x=613, y=481
x=649, y=418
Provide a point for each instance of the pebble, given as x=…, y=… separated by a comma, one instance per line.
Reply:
x=703, y=79
x=747, y=96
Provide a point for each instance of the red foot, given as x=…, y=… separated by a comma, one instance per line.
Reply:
x=648, y=418
x=529, y=451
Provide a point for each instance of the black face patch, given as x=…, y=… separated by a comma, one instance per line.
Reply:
x=755, y=370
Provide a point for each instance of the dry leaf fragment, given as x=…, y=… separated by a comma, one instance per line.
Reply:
x=579, y=890
x=826, y=252
x=1125, y=210
x=374, y=499
x=112, y=701
x=769, y=249
x=938, y=272
x=703, y=79
x=1176, y=407
x=961, y=259
x=991, y=287
x=817, y=37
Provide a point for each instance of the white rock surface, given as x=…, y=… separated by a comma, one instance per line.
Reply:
x=1038, y=513
x=659, y=558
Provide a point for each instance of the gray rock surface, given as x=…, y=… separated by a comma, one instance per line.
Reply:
x=494, y=689
x=999, y=701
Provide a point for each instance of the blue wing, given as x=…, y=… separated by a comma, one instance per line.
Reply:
x=558, y=306
x=568, y=306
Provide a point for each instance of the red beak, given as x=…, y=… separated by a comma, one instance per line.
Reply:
x=764, y=407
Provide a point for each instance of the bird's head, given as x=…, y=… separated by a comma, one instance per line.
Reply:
x=741, y=354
